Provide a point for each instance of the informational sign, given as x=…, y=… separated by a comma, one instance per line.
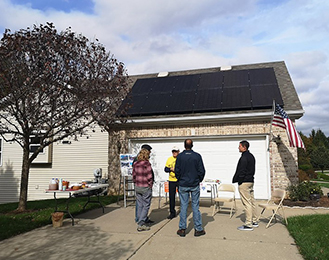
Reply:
x=126, y=162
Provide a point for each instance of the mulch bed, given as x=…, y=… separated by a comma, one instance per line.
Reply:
x=322, y=202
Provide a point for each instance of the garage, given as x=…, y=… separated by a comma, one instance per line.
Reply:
x=220, y=156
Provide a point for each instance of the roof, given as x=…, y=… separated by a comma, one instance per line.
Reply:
x=243, y=89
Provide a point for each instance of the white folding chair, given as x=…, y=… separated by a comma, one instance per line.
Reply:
x=225, y=193
x=275, y=203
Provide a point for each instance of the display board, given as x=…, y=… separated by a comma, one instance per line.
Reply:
x=126, y=163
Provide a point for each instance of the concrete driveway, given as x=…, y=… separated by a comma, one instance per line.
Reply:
x=113, y=235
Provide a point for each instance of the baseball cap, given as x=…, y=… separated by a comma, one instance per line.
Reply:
x=175, y=148
x=147, y=147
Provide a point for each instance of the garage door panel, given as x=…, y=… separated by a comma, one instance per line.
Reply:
x=220, y=157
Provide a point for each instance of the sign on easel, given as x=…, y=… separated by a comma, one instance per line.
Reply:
x=126, y=162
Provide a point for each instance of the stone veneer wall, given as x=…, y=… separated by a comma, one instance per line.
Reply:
x=283, y=159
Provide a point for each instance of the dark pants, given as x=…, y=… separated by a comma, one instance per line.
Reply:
x=172, y=194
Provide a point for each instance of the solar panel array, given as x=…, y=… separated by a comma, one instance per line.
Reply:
x=207, y=92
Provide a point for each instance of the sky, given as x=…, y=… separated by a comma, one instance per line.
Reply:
x=151, y=36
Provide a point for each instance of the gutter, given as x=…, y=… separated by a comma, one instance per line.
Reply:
x=207, y=118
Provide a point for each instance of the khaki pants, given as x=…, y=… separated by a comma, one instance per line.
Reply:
x=246, y=191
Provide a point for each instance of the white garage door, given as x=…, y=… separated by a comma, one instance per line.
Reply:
x=220, y=157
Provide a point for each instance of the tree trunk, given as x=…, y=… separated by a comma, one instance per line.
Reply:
x=22, y=204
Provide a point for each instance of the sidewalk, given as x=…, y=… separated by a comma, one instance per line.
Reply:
x=113, y=235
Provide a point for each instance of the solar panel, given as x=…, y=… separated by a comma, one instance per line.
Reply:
x=137, y=103
x=204, y=92
x=187, y=83
x=155, y=104
x=235, y=78
x=208, y=100
x=211, y=80
x=263, y=95
x=163, y=85
x=181, y=102
x=143, y=86
x=235, y=98
x=262, y=76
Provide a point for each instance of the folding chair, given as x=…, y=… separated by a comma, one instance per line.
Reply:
x=274, y=203
x=225, y=193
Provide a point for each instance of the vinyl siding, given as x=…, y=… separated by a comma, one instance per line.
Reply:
x=73, y=162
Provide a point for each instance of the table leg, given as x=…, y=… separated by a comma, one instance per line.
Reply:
x=67, y=207
x=94, y=201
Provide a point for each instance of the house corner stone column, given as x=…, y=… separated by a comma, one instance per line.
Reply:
x=117, y=144
x=283, y=162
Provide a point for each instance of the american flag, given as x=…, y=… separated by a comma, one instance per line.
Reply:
x=281, y=119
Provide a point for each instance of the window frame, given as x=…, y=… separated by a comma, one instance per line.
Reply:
x=1, y=150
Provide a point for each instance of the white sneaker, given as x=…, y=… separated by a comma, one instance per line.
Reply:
x=143, y=228
x=255, y=224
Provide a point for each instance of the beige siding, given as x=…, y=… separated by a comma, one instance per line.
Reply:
x=10, y=172
x=72, y=162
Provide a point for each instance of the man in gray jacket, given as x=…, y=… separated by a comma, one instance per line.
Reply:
x=189, y=171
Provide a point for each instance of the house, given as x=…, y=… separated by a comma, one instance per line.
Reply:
x=216, y=107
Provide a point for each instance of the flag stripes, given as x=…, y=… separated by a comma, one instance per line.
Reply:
x=281, y=119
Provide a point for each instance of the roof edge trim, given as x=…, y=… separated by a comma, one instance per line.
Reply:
x=293, y=114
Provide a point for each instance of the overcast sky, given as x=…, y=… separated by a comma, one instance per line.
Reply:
x=150, y=36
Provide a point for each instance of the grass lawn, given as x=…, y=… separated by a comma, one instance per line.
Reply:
x=324, y=184
x=323, y=180
x=39, y=214
x=325, y=171
x=311, y=233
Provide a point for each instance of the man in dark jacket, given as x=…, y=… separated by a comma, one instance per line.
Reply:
x=244, y=176
x=189, y=171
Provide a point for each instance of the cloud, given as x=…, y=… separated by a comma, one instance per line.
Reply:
x=308, y=69
x=169, y=35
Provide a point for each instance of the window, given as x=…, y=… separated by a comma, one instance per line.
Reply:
x=1, y=151
x=45, y=155
x=35, y=141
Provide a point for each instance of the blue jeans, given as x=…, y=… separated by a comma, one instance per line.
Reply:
x=184, y=195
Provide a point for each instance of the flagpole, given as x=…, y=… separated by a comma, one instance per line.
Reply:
x=270, y=136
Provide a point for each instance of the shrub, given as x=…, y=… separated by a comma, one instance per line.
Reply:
x=305, y=167
x=303, y=176
x=303, y=190
x=312, y=174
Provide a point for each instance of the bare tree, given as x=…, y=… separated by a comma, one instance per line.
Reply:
x=54, y=85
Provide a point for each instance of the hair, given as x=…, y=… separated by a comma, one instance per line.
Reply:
x=188, y=144
x=245, y=144
x=143, y=155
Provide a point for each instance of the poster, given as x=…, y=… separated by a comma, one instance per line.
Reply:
x=126, y=163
